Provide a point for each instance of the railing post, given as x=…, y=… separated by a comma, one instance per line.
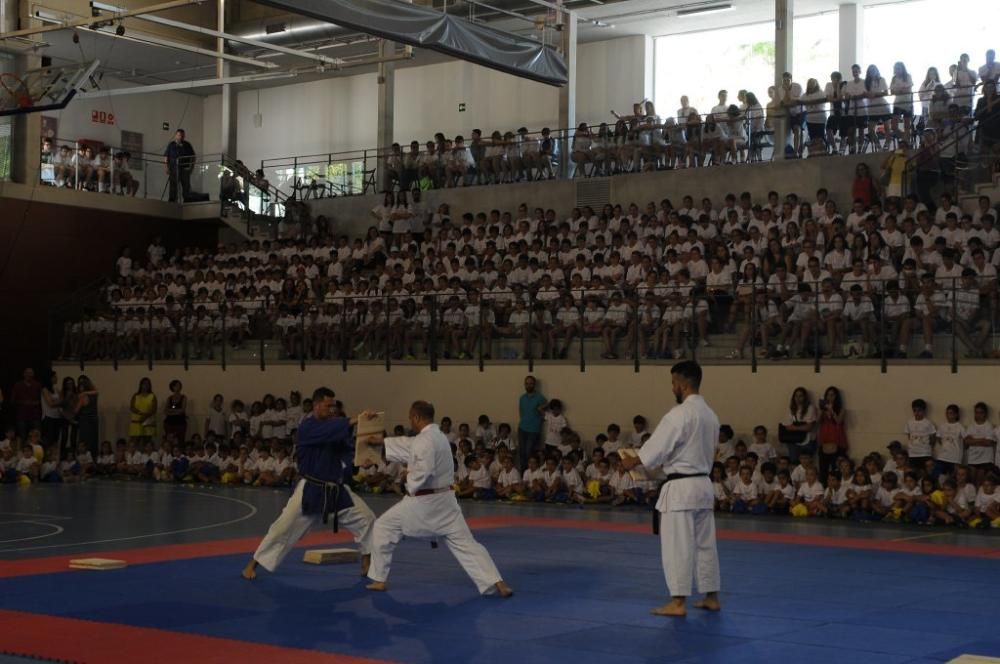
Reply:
x=185, y=346
x=222, y=354
x=753, y=325
x=528, y=343
x=635, y=333
x=345, y=338
x=882, y=332
x=954, y=324
x=302, y=339
x=432, y=335
x=261, y=321
x=583, y=360
x=479, y=338
x=388, y=333
x=817, y=349
x=114, y=337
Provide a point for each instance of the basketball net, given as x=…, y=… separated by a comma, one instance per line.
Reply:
x=16, y=89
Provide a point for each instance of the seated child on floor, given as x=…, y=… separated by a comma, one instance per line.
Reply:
x=508, y=482
x=809, y=497
x=745, y=493
x=622, y=484
x=720, y=487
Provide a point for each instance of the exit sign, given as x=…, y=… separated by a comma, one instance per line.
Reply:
x=102, y=117
x=461, y=108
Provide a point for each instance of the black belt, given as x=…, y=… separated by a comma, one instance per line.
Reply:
x=670, y=478
x=327, y=486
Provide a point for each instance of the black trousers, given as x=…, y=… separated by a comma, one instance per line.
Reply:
x=180, y=176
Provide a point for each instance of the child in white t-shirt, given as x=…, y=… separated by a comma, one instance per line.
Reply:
x=215, y=421
x=980, y=443
x=836, y=495
x=572, y=483
x=949, y=440
x=763, y=449
x=508, y=484
x=987, y=505
x=745, y=492
x=238, y=420
x=554, y=423
x=639, y=430
x=885, y=496
x=811, y=493
x=920, y=433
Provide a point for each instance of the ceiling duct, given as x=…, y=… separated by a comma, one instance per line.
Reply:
x=437, y=31
x=289, y=30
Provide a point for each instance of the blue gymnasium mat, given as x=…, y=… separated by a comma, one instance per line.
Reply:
x=582, y=596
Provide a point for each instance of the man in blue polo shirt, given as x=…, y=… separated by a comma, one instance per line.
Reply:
x=529, y=427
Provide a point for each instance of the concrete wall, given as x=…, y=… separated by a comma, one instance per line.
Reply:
x=351, y=214
x=877, y=404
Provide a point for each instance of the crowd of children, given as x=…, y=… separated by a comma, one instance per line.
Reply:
x=938, y=473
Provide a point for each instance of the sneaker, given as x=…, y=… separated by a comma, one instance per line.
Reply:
x=735, y=355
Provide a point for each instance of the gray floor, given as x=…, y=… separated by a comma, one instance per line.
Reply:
x=49, y=520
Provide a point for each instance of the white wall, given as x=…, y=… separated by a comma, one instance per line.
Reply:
x=339, y=114
x=143, y=113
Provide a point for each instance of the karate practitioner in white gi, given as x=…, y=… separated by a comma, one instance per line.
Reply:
x=325, y=453
x=430, y=511
x=684, y=445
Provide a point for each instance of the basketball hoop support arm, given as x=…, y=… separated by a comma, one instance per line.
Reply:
x=151, y=9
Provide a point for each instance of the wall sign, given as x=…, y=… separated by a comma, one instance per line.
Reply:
x=102, y=117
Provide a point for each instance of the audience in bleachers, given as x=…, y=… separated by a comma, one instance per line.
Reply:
x=785, y=275
x=862, y=112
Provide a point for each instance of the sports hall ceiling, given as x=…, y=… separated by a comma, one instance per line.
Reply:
x=134, y=60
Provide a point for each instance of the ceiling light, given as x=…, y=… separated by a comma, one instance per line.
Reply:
x=601, y=24
x=702, y=11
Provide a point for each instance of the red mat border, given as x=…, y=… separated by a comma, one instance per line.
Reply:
x=247, y=545
x=73, y=640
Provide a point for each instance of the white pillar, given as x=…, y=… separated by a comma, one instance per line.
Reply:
x=386, y=102
x=784, y=13
x=567, y=94
x=852, y=32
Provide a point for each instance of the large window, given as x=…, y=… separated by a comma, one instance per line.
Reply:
x=699, y=64
x=929, y=33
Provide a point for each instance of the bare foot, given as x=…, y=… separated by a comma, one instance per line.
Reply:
x=504, y=590
x=377, y=586
x=366, y=562
x=710, y=603
x=673, y=608
x=250, y=571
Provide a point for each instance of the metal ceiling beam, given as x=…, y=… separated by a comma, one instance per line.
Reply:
x=83, y=22
x=147, y=39
x=223, y=35
x=212, y=82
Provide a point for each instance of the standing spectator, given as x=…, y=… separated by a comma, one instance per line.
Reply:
x=86, y=414
x=180, y=162
x=70, y=401
x=175, y=419
x=864, y=189
x=27, y=396
x=52, y=420
x=531, y=408
x=142, y=410
x=991, y=70
x=797, y=429
x=832, y=434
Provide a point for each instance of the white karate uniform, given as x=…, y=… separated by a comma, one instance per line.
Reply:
x=684, y=442
x=431, y=516
x=292, y=525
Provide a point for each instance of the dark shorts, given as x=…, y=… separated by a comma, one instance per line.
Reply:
x=875, y=119
x=816, y=130
x=849, y=123
x=905, y=112
x=797, y=120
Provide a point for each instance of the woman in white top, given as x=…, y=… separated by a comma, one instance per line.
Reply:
x=383, y=214
x=965, y=85
x=814, y=103
x=400, y=217
x=801, y=419
x=876, y=91
x=736, y=131
x=931, y=81
x=580, y=153
x=714, y=140
x=902, y=106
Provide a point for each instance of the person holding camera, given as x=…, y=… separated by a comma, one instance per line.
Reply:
x=798, y=429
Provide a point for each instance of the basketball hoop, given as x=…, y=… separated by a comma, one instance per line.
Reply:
x=16, y=90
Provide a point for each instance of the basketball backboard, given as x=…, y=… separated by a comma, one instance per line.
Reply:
x=46, y=89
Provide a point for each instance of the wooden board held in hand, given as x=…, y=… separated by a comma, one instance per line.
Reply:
x=97, y=563
x=330, y=556
x=365, y=454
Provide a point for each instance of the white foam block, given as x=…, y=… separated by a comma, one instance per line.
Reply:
x=330, y=556
x=97, y=563
x=975, y=659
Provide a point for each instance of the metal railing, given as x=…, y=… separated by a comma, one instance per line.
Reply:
x=745, y=322
x=102, y=168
